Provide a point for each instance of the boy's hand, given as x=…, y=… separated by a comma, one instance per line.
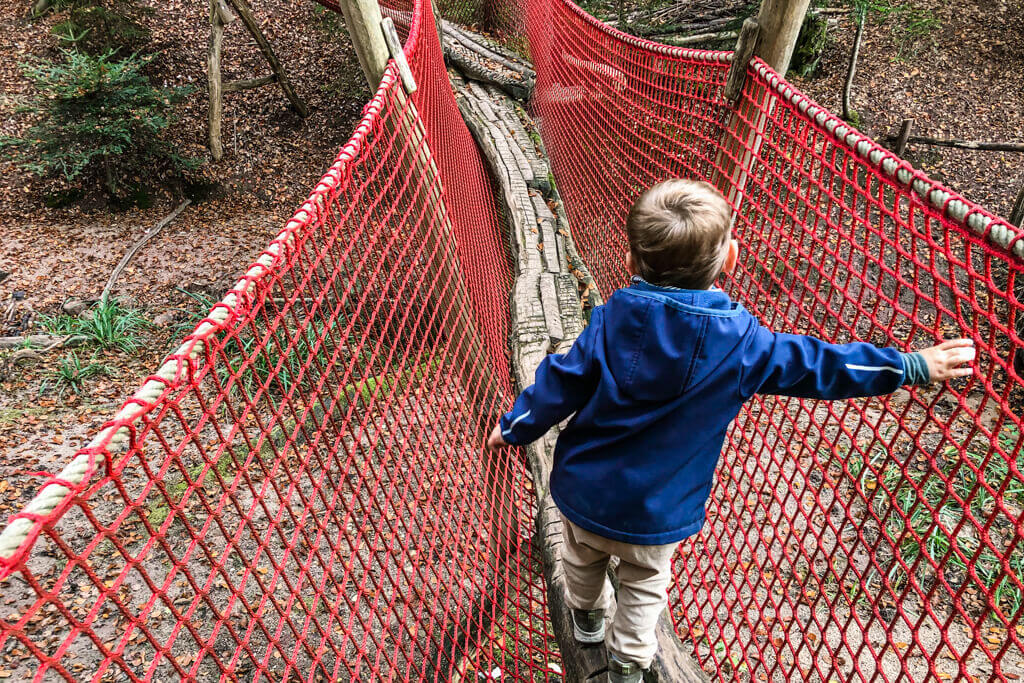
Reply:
x=495, y=441
x=947, y=360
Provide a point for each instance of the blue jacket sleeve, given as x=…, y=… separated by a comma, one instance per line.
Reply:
x=561, y=386
x=805, y=367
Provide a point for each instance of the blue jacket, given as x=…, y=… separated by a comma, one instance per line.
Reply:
x=654, y=382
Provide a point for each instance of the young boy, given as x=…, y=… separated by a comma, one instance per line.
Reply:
x=654, y=382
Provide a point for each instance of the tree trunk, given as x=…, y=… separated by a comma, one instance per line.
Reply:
x=213, y=73
x=854, y=54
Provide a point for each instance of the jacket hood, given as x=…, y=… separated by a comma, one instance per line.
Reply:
x=656, y=347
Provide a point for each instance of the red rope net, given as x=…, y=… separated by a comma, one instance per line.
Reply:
x=860, y=540
x=308, y=497
x=301, y=491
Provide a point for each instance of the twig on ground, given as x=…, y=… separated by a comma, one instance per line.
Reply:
x=976, y=145
x=150, y=234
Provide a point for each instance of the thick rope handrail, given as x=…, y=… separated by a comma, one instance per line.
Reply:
x=23, y=527
x=939, y=197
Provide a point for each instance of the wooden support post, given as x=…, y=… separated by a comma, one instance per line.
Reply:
x=736, y=144
x=780, y=22
x=213, y=74
x=745, y=46
x=1017, y=212
x=242, y=7
x=901, y=142
x=778, y=26
x=363, y=19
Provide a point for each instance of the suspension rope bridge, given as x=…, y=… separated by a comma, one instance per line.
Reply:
x=301, y=491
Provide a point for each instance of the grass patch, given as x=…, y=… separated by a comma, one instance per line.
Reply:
x=108, y=324
x=912, y=27
x=71, y=374
x=927, y=518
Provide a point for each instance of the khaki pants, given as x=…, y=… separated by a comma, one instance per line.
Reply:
x=644, y=574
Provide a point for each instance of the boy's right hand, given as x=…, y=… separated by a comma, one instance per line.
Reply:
x=948, y=359
x=495, y=441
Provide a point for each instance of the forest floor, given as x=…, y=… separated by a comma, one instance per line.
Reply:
x=272, y=160
x=957, y=69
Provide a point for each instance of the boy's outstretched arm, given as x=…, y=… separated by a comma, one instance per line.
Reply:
x=806, y=367
x=561, y=386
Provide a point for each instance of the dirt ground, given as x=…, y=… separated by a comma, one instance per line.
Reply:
x=272, y=159
x=957, y=69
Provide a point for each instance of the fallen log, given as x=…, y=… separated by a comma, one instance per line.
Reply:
x=976, y=145
x=682, y=41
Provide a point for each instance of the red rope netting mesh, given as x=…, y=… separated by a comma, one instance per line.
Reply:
x=862, y=540
x=300, y=492
x=306, y=495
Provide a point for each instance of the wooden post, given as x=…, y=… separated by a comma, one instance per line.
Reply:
x=1017, y=212
x=363, y=20
x=901, y=141
x=780, y=22
x=774, y=34
x=213, y=73
x=242, y=7
x=736, y=143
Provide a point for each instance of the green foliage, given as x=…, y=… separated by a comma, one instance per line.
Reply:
x=100, y=26
x=99, y=116
x=810, y=45
x=71, y=374
x=931, y=512
x=911, y=26
x=107, y=325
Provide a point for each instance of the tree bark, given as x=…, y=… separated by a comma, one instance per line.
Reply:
x=245, y=13
x=214, y=78
x=901, y=141
x=1017, y=212
x=852, y=69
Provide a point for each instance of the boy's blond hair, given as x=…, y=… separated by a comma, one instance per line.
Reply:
x=677, y=233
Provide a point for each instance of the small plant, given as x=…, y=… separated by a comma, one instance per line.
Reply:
x=100, y=26
x=71, y=374
x=916, y=25
x=810, y=45
x=98, y=116
x=108, y=324
x=926, y=511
